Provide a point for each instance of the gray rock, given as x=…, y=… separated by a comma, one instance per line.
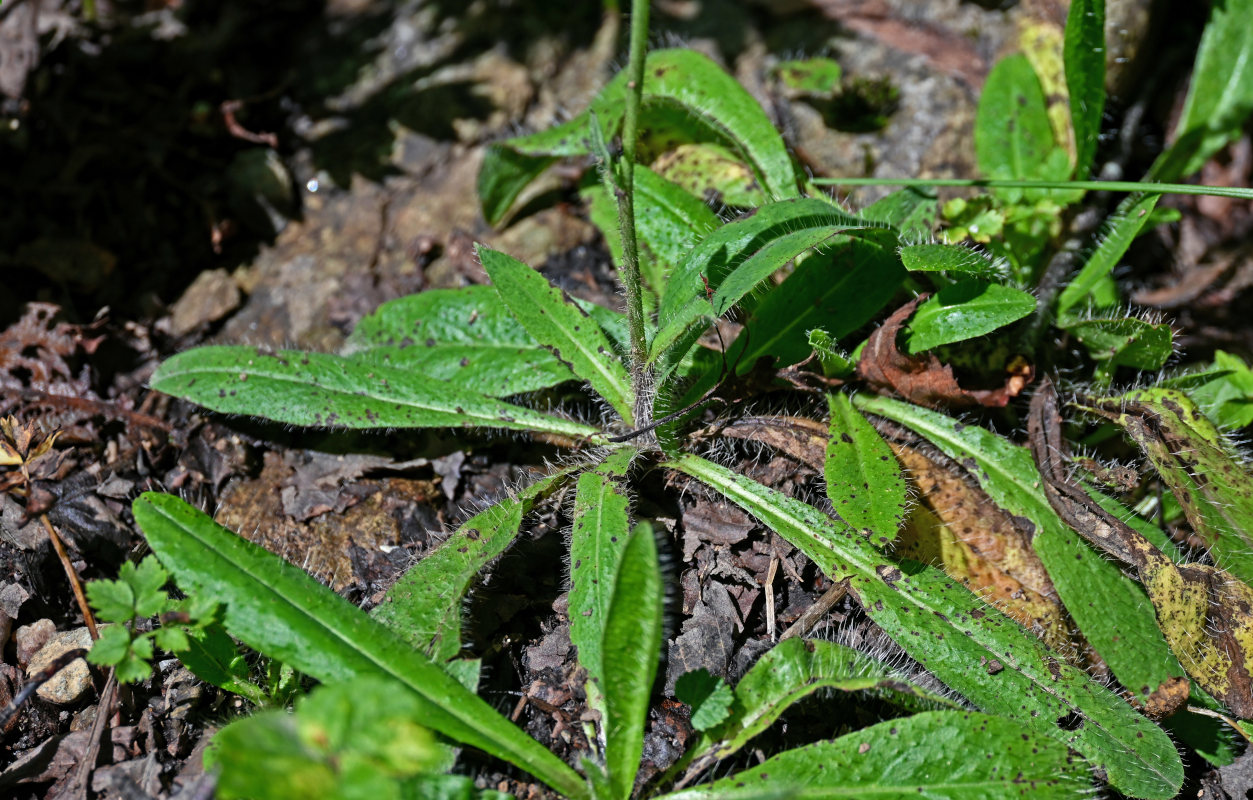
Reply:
x=12, y=596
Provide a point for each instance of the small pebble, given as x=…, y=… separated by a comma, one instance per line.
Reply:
x=30, y=638
x=70, y=683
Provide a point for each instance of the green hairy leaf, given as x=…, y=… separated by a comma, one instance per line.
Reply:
x=1224, y=391
x=600, y=535
x=714, y=107
x=467, y=337
x=212, y=657
x=503, y=176
x=357, y=739
x=1119, y=230
x=1220, y=96
x=840, y=289
x=765, y=262
x=936, y=754
x=786, y=674
x=279, y=610
x=631, y=650
x=744, y=244
x=1111, y=609
x=329, y=391
x=710, y=697
x=564, y=329
x=949, y=258
x=668, y=219
x=965, y=310
x=864, y=480
x=1085, y=77
x=972, y=647
x=424, y=607
x=1125, y=341
x=835, y=362
x=911, y=212
x=712, y=172
x=815, y=76
x=1013, y=137
x=716, y=101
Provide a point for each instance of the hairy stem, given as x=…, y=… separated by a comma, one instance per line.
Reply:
x=626, y=208
x=1093, y=186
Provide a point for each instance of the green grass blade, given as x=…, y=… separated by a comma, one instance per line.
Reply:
x=971, y=647
x=1237, y=192
x=1084, y=53
x=632, y=653
x=328, y=391
x=965, y=310
x=278, y=610
x=563, y=328
x=937, y=754
x=1111, y=609
x=425, y=606
x=467, y=337
x=600, y=534
x=864, y=479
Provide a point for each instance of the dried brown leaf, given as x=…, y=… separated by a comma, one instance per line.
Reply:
x=36, y=350
x=959, y=528
x=923, y=379
x=1205, y=613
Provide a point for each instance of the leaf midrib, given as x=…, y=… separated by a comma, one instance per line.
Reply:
x=621, y=389
x=452, y=710
x=562, y=426
x=1075, y=685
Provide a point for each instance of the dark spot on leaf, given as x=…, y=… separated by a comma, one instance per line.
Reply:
x=890, y=574
x=1070, y=722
